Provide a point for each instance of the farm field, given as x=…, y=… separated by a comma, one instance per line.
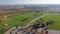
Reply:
x=16, y=21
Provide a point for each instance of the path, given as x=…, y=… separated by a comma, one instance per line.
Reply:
x=36, y=19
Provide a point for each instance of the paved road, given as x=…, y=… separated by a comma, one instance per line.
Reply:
x=20, y=32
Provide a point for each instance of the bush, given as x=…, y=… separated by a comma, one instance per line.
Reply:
x=3, y=18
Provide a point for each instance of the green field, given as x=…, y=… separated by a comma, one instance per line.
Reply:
x=55, y=18
x=16, y=21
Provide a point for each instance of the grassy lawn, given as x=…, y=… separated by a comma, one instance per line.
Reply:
x=16, y=20
x=56, y=18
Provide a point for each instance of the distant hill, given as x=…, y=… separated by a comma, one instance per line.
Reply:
x=30, y=6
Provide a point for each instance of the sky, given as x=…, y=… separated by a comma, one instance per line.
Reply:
x=29, y=1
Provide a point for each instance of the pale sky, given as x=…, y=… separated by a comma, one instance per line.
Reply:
x=29, y=1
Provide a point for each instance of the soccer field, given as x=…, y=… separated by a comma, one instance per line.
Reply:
x=56, y=18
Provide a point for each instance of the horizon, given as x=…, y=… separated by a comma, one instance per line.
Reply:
x=29, y=4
